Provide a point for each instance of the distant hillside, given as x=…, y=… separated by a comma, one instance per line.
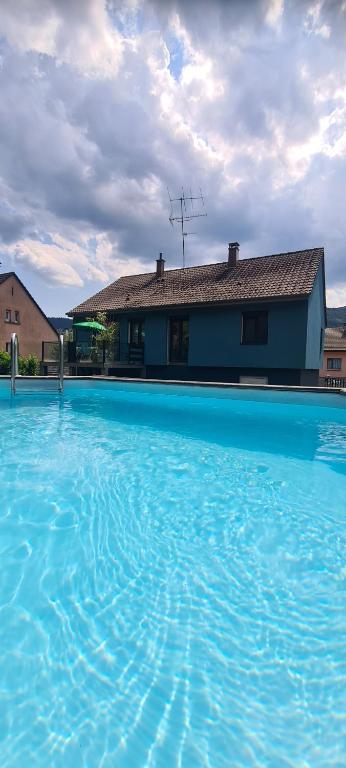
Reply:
x=336, y=316
x=61, y=323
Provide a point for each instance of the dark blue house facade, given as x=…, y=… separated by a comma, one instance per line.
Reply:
x=252, y=320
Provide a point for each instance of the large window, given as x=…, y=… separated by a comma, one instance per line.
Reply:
x=334, y=363
x=136, y=333
x=178, y=339
x=254, y=328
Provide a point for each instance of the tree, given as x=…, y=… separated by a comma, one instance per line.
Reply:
x=106, y=339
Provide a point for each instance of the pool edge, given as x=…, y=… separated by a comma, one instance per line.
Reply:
x=179, y=382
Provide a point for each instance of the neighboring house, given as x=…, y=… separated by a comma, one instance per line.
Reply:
x=20, y=313
x=259, y=319
x=334, y=355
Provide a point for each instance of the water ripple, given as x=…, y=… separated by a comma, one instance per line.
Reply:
x=170, y=597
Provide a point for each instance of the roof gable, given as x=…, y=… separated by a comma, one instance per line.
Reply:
x=281, y=276
x=5, y=275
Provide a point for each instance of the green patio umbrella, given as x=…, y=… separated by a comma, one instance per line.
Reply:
x=90, y=324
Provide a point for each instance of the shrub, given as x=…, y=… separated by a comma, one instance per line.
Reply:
x=32, y=365
x=28, y=366
x=5, y=362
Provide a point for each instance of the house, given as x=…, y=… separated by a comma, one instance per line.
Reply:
x=334, y=356
x=258, y=320
x=20, y=313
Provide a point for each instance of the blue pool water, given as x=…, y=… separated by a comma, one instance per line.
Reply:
x=173, y=578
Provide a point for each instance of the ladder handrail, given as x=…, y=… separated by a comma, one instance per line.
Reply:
x=61, y=363
x=14, y=362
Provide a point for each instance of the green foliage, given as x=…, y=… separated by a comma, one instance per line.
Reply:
x=27, y=366
x=110, y=334
x=32, y=365
x=103, y=341
x=5, y=363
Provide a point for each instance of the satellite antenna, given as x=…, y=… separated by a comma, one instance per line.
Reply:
x=183, y=206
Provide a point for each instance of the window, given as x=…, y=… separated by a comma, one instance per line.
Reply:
x=334, y=363
x=254, y=328
x=8, y=316
x=136, y=333
x=178, y=339
x=16, y=316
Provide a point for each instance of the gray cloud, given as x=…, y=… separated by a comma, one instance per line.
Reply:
x=255, y=115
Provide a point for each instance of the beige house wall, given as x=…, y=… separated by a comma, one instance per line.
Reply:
x=33, y=327
x=324, y=372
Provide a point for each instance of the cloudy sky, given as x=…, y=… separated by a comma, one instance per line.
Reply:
x=105, y=105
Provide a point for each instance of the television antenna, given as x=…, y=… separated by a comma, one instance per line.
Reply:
x=183, y=206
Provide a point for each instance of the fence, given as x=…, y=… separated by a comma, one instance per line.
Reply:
x=333, y=381
x=51, y=352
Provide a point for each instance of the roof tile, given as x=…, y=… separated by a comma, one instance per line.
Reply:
x=283, y=275
x=335, y=338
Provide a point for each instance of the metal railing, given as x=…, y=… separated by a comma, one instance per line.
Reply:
x=105, y=354
x=14, y=368
x=14, y=362
x=61, y=363
x=338, y=382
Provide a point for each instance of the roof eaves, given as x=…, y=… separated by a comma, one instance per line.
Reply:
x=193, y=304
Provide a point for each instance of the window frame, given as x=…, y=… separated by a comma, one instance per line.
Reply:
x=16, y=317
x=8, y=316
x=334, y=367
x=254, y=314
x=141, y=332
x=182, y=358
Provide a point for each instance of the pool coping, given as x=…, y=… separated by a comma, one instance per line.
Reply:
x=179, y=382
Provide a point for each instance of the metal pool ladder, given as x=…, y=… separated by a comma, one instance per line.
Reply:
x=35, y=383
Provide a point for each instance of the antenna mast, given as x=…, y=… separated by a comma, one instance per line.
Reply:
x=183, y=205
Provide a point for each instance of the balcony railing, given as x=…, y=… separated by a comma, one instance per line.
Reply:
x=104, y=354
x=51, y=352
x=338, y=382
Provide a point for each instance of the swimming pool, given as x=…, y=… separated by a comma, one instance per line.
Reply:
x=173, y=578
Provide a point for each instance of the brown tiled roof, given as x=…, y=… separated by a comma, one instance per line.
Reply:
x=278, y=276
x=335, y=338
x=5, y=275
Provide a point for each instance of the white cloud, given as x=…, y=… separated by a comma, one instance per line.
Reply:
x=77, y=33
x=313, y=23
x=274, y=12
x=95, y=129
x=336, y=297
x=48, y=259
x=68, y=263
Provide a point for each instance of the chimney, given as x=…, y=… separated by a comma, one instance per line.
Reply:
x=160, y=266
x=233, y=254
